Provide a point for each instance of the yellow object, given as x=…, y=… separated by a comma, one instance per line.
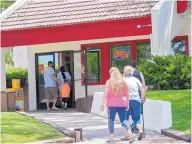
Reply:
x=16, y=83
x=19, y=94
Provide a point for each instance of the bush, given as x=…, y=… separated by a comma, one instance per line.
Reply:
x=170, y=72
x=16, y=73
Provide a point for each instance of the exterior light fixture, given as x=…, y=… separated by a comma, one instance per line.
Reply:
x=140, y=26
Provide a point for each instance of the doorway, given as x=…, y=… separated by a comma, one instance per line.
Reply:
x=64, y=58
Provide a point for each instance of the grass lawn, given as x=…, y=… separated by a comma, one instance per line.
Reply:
x=181, y=106
x=17, y=128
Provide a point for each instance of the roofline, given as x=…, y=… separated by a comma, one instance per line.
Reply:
x=158, y=6
x=71, y=24
x=11, y=9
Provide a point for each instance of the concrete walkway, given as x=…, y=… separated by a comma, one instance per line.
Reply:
x=95, y=128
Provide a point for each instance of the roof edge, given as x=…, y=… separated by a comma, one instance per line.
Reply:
x=89, y=22
x=11, y=9
x=158, y=6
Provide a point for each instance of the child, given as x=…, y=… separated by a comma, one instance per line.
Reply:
x=64, y=94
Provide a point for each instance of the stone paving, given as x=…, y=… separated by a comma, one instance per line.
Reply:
x=95, y=128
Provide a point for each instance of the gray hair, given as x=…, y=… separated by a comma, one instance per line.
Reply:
x=128, y=71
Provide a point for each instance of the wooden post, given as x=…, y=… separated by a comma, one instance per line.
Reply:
x=80, y=130
x=77, y=136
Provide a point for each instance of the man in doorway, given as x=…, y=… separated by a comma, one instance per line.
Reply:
x=51, y=90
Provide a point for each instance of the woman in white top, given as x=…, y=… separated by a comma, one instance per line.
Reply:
x=134, y=85
x=63, y=76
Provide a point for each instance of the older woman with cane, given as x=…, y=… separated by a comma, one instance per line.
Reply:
x=134, y=85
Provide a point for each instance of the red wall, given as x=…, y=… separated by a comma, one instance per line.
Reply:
x=182, y=6
x=86, y=31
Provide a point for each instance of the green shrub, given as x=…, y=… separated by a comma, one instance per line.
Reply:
x=170, y=72
x=16, y=73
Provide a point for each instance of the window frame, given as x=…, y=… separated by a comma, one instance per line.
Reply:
x=180, y=38
x=99, y=61
x=92, y=46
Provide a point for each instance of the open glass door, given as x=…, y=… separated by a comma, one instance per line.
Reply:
x=41, y=64
x=79, y=75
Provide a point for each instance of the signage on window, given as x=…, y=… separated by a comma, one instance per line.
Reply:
x=41, y=68
x=121, y=54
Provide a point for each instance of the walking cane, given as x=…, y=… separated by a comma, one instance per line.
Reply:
x=143, y=122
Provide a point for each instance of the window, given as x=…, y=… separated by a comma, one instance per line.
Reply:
x=143, y=51
x=120, y=56
x=93, y=64
x=179, y=46
x=56, y=62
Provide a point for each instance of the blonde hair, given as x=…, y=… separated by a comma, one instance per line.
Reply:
x=116, y=82
x=128, y=71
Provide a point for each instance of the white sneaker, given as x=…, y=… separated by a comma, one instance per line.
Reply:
x=132, y=138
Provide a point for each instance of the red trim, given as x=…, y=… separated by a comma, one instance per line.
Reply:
x=105, y=57
x=182, y=6
x=187, y=42
x=85, y=31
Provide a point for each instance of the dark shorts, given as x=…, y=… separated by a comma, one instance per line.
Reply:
x=51, y=93
x=65, y=100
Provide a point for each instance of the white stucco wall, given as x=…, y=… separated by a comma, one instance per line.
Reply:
x=63, y=46
x=166, y=24
x=19, y=57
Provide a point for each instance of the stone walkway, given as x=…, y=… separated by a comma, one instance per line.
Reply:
x=95, y=130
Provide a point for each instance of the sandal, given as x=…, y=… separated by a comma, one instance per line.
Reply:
x=140, y=136
x=111, y=141
x=132, y=138
x=126, y=138
x=54, y=108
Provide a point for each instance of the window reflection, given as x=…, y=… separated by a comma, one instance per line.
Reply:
x=93, y=64
x=143, y=51
x=179, y=46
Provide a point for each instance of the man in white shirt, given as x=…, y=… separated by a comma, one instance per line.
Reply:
x=51, y=90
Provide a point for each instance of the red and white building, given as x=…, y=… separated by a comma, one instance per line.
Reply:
x=114, y=31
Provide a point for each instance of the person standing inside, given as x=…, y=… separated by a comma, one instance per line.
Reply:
x=134, y=85
x=64, y=86
x=117, y=100
x=51, y=90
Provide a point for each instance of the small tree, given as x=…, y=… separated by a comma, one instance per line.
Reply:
x=9, y=59
x=4, y=4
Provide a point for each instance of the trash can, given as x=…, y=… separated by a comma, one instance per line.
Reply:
x=7, y=101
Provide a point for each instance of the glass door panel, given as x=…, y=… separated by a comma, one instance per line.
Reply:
x=41, y=65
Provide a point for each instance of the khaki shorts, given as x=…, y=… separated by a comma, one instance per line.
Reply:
x=51, y=93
